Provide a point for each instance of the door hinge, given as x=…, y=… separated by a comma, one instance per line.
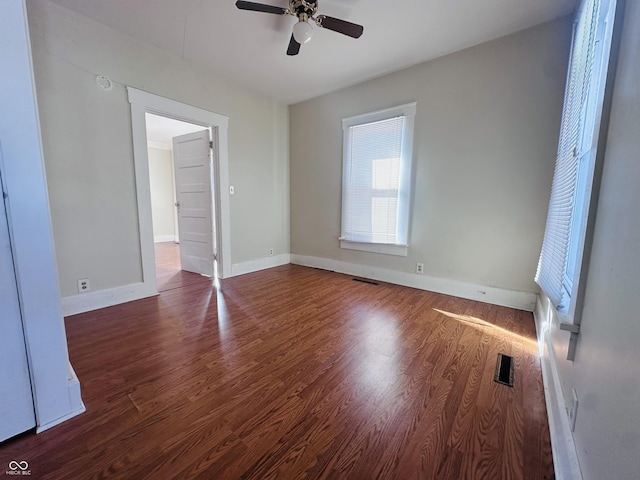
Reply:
x=210, y=143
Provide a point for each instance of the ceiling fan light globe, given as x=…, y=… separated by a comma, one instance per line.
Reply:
x=302, y=32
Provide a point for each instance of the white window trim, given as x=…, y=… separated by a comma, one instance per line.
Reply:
x=569, y=308
x=586, y=210
x=408, y=110
x=386, y=248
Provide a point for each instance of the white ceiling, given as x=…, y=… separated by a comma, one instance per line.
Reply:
x=249, y=47
x=160, y=130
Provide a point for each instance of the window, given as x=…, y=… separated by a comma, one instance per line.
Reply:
x=376, y=181
x=561, y=257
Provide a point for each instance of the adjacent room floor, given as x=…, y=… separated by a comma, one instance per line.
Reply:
x=168, y=272
x=294, y=372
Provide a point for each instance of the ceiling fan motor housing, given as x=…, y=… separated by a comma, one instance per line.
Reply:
x=303, y=9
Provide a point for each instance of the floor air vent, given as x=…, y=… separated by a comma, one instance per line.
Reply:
x=504, y=370
x=364, y=280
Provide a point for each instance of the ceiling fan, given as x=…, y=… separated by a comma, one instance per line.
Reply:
x=305, y=11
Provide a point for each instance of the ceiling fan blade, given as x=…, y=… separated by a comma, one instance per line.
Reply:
x=341, y=26
x=294, y=47
x=261, y=7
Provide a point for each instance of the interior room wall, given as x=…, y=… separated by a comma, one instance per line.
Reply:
x=486, y=133
x=89, y=155
x=162, y=194
x=606, y=370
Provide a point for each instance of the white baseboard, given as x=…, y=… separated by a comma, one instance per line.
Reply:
x=165, y=238
x=471, y=291
x=85, y=302
x=58, y=421
x=260, y=264
x=75, y=401
x=565, y=456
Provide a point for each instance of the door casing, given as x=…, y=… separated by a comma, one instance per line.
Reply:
x=144, y=102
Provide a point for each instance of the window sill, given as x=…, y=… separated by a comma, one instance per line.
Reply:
x=385, y=248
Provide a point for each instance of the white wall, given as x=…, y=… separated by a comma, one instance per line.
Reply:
x=55, y=389
x=88, y=146
x=606, y=369
x=486, y=132
x=162, y=193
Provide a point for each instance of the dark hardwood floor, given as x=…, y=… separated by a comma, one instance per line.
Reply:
x=168, y=273
x=295, y=373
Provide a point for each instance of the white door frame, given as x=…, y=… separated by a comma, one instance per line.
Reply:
x=144, y=102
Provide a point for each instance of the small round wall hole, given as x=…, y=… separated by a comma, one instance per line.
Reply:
x=104, y=82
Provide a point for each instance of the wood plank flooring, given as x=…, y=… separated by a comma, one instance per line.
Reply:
x=168, y=273
x=295, y=373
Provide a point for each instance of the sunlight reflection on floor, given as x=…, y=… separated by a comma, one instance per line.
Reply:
x=529, y=345
x=380, y=369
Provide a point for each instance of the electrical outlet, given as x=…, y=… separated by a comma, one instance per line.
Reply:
x=270, y=251
x=84, y=285
x=573, y=411
x=420, y=268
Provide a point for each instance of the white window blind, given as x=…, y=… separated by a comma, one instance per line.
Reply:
x=376, y=178
x=373, y=182
x=576, y=132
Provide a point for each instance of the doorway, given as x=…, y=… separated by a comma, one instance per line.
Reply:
x=141, y=104
x=163, y=136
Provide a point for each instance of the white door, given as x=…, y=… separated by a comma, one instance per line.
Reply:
x=16, y=403
x=193, y=169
